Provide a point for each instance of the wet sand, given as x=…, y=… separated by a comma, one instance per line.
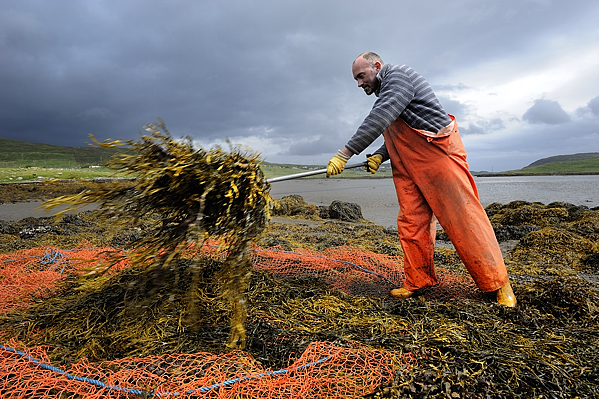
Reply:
x=22, y=210
x=378, y=202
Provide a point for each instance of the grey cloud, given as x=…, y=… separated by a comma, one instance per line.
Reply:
x=216, y=69
x=451, y=87
x=483, y=127
x=534, y=141
x=456, y=108
x=594, y=106
x=322, y=145
x=546, y=111
x=591, y=109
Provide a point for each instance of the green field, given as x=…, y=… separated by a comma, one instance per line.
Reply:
x=590, y=165
x=23, y=161
x=15, y=175
x=19, y=154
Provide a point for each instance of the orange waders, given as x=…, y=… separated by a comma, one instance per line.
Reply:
x=431, y=177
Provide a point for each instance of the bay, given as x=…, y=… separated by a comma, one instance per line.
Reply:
x=378, y=200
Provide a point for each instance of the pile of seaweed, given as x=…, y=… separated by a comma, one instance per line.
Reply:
x=546, y=347
x=191, y=194
x=558, y=239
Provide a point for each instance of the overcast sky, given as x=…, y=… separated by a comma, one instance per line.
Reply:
x=521, y=76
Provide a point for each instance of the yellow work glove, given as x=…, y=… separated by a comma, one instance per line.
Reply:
x=337, y=164
x=373, y=163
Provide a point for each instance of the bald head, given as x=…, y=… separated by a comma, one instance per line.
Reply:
x=370, y=57
x=364, y=69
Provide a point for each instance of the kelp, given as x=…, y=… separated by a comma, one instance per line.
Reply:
x=295, y=206
x=466, y=347
x=192, y=194
x=558, y=237
x=331, y=233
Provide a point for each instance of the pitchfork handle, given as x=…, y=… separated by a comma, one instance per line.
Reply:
x=313, y=172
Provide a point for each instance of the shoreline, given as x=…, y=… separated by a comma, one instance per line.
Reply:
x=365, y=177
x=375, y=196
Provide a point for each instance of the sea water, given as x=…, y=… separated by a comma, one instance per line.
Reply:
x=378, y=200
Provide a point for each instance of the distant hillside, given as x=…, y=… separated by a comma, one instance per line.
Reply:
x=21, y=154
x=565, y=158
x=587, y=163
x=14, y=153
x=587, y=166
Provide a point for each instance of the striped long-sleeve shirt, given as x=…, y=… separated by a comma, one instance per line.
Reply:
x=403, y=93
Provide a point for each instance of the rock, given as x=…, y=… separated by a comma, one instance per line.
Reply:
x=34, y=231
x=346, y=211
x=6, y=228
x=294, y=205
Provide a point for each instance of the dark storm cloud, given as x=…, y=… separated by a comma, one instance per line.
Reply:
x=546, y=111
x=209, y=70
x=272, y=72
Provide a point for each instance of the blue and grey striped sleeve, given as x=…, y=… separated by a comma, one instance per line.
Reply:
x=404, y=93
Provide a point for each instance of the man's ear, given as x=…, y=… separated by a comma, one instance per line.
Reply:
x=378, y=66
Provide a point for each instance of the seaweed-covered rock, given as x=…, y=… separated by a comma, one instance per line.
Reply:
x=295, y=205
x=74, y=220
x=346, y=211
x=565, y=298
x=6, y=228
x=494, y=208
x=33, y=227
x=587, y=225
x=11, y=193
x=507, y=233
x=502, y=233
x=34, y=231
x=574, y=211
x=553, y=246
x=530, y=214
x=591, y=262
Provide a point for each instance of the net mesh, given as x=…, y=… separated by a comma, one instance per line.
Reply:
x=324, y=369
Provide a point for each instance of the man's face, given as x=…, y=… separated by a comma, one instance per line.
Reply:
x=365, y=75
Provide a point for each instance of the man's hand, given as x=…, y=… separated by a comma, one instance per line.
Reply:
x=337, y=164
x=373, y=163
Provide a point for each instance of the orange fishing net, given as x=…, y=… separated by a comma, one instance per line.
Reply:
x=34, y=273
x=324, y=369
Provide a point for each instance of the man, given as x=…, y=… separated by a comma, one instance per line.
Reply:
x=430, y=174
